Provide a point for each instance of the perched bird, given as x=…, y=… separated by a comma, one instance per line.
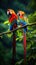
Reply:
x=12, y=18
x=13, y=25
x=21, y=18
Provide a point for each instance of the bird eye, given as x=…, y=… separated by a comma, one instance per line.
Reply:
x=19, y=14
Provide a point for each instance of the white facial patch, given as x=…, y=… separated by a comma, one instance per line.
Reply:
x=7, y=12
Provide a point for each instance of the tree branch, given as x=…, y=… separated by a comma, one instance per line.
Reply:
x=31, y=24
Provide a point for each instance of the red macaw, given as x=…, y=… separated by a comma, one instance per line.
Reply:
x=13, y=25
x=12, y=18
x=22, y=22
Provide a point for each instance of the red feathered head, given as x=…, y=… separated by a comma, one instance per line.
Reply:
x=12, y=16
x=21, y=14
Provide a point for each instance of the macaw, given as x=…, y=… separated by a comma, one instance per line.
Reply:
x=13, y=25
x=21, y=18
x=12, y=18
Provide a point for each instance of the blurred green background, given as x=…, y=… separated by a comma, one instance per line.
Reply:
x=29, y=7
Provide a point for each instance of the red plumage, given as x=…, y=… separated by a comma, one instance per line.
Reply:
x=12, y=18
x=24, y=45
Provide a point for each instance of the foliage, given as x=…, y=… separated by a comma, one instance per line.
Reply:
x=6, y=39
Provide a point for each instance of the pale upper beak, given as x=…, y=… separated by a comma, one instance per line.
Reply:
x=7, y=12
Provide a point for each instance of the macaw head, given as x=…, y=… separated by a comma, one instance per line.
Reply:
x=10, y=11
x=12, y=15
x=21, y=14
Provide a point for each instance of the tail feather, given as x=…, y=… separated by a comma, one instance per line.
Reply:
x=24, y=44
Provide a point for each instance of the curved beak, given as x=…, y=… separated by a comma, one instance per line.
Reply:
x=21, y=16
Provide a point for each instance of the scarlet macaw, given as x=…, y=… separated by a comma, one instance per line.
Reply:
x=13, y=25
x=12, y=18
x=22, y=22
x=21, y=19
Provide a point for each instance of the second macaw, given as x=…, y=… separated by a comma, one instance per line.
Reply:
x=22, y=22
x=21, y=19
